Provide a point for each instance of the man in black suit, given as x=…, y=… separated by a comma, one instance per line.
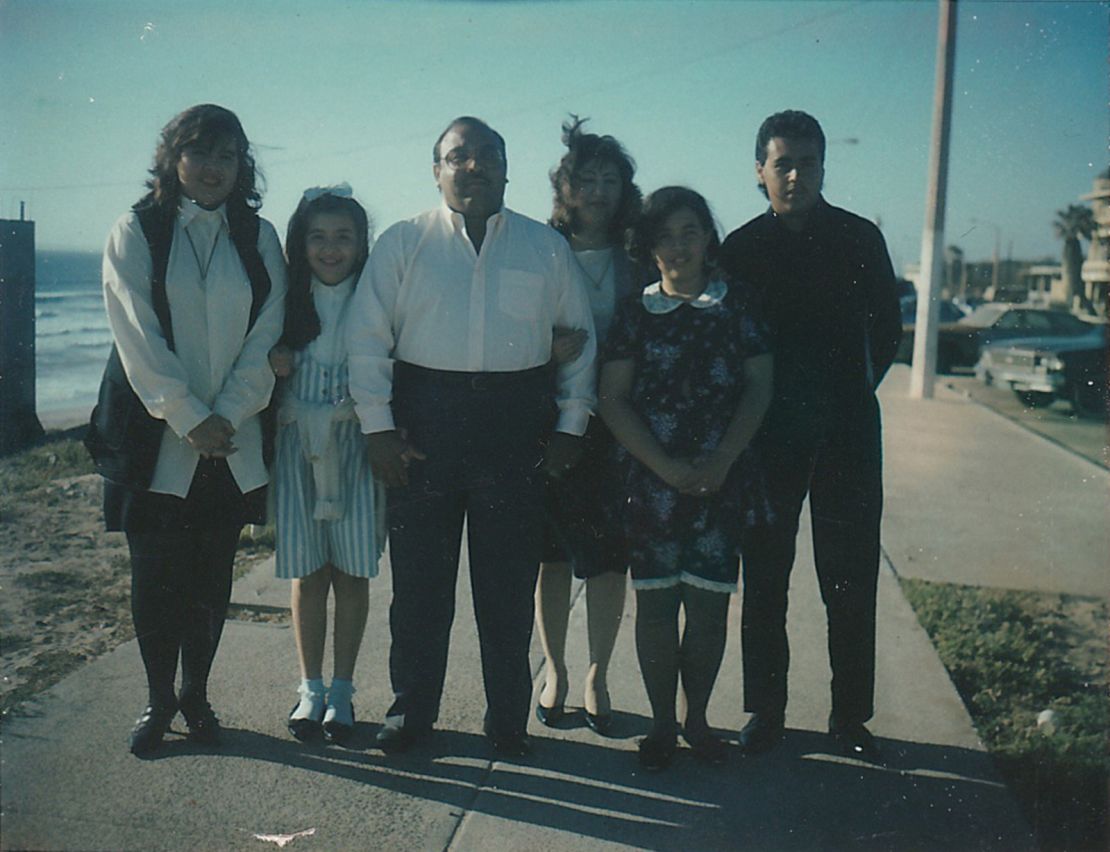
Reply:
x=829, y=294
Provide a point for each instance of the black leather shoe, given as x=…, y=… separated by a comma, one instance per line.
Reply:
x=306, y=729
x=762, y=733
x=854, y=740
x=204, y=727
x=397, y=739
x=550, y=716
x=656, y=751
x=338, y=733
x=708, y=748
x=508, y=744
x=600, y=723
x=150, y=728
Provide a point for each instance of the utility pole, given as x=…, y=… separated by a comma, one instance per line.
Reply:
x=923, y=369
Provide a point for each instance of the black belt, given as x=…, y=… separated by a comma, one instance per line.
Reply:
x=474, y=381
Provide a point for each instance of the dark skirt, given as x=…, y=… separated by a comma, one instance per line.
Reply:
x=582, y=510
x=214, y=501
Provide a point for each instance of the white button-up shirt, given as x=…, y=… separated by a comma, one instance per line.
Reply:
x=213, y=369
x=427, y=298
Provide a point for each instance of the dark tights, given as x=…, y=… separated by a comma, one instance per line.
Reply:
x=664, y=657
x=180, y=588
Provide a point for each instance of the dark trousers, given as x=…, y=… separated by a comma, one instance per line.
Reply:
x=842, y=473
x=482, y=434
x=180, y=588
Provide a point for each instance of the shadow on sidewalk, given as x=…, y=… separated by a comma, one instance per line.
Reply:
x=802, y=795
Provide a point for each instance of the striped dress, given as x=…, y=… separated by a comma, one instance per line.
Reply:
x=352, y=536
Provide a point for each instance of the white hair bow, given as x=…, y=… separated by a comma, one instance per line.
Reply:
x=340, y=190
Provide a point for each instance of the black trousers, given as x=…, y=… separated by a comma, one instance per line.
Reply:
x=180, y=588
x=483, y=435
x=841, y=470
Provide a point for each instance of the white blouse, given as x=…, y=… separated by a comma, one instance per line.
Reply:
x=213, y=369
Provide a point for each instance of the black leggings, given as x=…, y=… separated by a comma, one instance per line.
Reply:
x=180, y=588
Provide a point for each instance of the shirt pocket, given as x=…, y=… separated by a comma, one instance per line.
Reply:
x=520, y=294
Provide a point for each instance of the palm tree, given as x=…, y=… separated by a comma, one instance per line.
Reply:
x=1074, y=222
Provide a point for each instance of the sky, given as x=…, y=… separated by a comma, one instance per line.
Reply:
x=359, y=91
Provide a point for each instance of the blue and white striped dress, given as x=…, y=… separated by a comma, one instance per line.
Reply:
x=354, y=541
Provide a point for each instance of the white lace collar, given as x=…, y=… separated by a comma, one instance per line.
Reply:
x=655, y=301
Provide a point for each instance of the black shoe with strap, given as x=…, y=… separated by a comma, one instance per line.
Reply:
x=150, y=728
x=204, y=727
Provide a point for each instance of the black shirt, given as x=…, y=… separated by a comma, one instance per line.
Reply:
x=829, y=296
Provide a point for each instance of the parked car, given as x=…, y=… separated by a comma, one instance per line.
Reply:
x=950, y=313
x=960, y=343
x=1041, y=370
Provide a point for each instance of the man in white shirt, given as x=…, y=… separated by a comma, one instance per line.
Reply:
x=449, y=347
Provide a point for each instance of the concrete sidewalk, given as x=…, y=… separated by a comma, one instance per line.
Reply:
x=69, y=783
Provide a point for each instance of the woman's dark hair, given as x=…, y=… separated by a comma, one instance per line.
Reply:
x=302, y=323
x=658, y=207
x=203, y=125
x=585, y=149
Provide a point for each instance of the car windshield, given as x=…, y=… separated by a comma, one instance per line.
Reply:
x=985, y=316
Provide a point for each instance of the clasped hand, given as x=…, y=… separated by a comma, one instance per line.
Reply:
x=697, y=477
x=212, y=438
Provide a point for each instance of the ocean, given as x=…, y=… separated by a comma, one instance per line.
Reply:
x=72, y=339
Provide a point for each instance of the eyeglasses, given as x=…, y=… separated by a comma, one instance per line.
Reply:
x=488, y=156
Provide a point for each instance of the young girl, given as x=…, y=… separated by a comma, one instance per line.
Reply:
x=329, y=531
x=685, y=382
x=596, y=202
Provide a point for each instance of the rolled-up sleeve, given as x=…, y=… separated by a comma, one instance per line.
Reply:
x=154, y=371
x=576, y=381
x=247, y=388
x=370, y=333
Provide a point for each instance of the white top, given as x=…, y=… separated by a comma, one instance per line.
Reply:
x=213, y=370
x=656, y=301
x=427, y=298
x=601, y=286
x=327, y=349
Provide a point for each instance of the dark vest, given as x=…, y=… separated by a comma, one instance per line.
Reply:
x=123, y=438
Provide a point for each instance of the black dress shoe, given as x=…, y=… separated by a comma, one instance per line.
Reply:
x=600, y=723
x=515, y=744
x=397, y=739
x=550, y=716
x=305, y=729
x=150, y=728
x=204, y=727
x=707, y=747
x=854, y=740
x=338, y=733
x=656, y=751
x=762, y=733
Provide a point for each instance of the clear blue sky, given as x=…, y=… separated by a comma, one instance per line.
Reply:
x=357, y=91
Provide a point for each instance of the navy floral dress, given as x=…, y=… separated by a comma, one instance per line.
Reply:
x=687, y=385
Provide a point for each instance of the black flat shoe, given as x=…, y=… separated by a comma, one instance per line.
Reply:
x=600, y=723
x=656, y=752
x=762, y=733
x=150, y=728
x=338, y=733
x=550, y=716
x=508, y=744
x=394, y=739
x=707, y=748
x=204, y=727
x=856, y=741
x=305, y=729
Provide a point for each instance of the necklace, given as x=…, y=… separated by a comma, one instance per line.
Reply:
x=600, y=279
x=203, y=268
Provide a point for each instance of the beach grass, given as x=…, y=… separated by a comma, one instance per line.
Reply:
x=1031, y=667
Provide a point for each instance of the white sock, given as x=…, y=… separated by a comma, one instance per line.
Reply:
x=312, y=700
x=339, y=702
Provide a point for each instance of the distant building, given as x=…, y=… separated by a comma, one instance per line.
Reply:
x=1044, y=285
x=1096, y=268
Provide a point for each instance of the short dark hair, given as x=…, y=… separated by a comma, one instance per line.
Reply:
x=202, y=124
x=790, y=124
x=582, y=150
x=658, y=207
x=469, y=121
x=302, y=323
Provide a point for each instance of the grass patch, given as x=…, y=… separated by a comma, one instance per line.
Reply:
x=30, y=469
x=1013, y=655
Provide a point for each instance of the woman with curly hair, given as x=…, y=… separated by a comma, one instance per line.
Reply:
x=596, y=202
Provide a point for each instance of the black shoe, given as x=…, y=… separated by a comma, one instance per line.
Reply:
x=854, y=740
x=397, y=739
x=707, y=747
x=514, y=744
x=204, y=727
x=550, y=716
x=656, y=751
x=306, y=729
x=150, y=728
x=600, y=723
x=762, y=733
x=338, y=733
